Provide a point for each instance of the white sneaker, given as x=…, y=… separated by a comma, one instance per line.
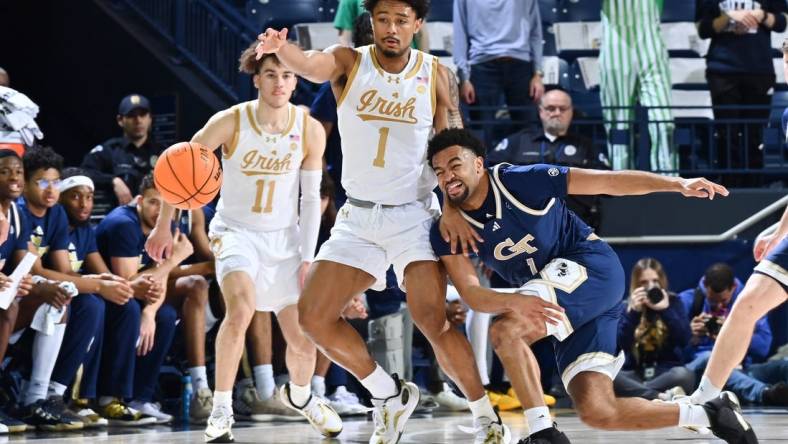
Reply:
x=673, y=393
x=489, y=431
x=220, y=424
x=346, y=403
x=448, y=400
x=151, y=409
x=92, y=419
x=391, y=414
x=317, y=411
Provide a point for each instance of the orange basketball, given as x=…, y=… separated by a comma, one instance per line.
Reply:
x=188, y=175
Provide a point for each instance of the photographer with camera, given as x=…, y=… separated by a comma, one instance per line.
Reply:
x=707, y=307
x=652, y=332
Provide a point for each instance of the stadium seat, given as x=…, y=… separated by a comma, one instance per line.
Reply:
x=688, y=71
x=779, y=72
x=692, y=98
x=556, y=72
x=317, y=36
x=279, y=14
x=441, y=41
x=548, y=11
x=579, y=10
x=585, y=74
x=440, y=11
x=678, y=11
x=682, y=37
x=577, y=36
x=777, y=40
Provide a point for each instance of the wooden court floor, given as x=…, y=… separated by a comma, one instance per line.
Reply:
x=771, y=426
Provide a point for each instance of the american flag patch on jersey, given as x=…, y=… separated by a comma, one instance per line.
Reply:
x=422, y=80
x=295, y=138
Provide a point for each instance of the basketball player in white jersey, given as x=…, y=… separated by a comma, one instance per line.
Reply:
x=389, y=99
x=262, y=239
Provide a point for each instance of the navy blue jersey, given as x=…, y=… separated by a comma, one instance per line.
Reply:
x=18, y=237
x=120, y=235
x=82, y=242
x=48, y=233
x=524, y=221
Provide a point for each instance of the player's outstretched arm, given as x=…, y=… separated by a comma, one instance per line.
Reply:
x=481, y=299
x=635, y=183
x=315, y=66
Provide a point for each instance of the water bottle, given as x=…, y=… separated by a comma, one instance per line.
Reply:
x=186, y=397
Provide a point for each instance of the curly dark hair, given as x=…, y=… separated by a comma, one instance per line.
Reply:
x=362, y=31
x=420, y=7
x=41, y=158
x=147, y=183
x=455, y=136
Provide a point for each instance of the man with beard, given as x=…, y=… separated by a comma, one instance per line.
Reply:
x=555, y=144
x=532, y=239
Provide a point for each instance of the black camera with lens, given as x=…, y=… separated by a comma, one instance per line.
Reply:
x=655, y=294
x=713, y=326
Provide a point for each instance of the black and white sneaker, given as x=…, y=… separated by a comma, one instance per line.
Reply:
x=44, y=417
x=546, y=436
x=727, y=422
x=220, y=425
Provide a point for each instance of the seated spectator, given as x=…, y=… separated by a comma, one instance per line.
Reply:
x=118, y=165
x=85, y=342
x=707, y=307
x=120, y=238
x=653, y=331
x=555, y=144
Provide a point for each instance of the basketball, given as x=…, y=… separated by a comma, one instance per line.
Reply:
x=188, y=175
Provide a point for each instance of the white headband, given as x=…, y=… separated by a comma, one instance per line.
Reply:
x=76, y=181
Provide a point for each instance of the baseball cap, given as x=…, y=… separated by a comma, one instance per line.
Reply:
x=132, y=102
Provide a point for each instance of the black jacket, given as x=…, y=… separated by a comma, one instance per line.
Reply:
x=117, y=157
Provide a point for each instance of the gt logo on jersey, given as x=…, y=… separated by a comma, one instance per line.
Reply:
x=508, y=249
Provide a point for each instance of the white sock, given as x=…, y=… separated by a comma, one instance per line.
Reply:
x=319, y=385
x=223, y=399
x=692, y=415
x=45, y=349
x=56, y=388
x=199, y=378
x=538, y=419
x=380, y=384
x=705, y=392
x=299, y=394
x=105, y=400
x=482, y=407
x=264, y=380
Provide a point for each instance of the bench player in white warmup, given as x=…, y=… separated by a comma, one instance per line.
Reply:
x=262, y=240
x=389, y=99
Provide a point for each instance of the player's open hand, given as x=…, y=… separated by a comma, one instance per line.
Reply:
x=456, y=230
x=159, y=244
x=700, y=187
x=181, y=247
x=270, y=41
x=536, y=310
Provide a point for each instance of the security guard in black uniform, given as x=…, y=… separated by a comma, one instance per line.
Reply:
x=118, y=165
x=555, y=145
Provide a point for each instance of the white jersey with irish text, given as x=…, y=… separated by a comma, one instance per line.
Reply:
x=260, y=187
x=385, y=121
